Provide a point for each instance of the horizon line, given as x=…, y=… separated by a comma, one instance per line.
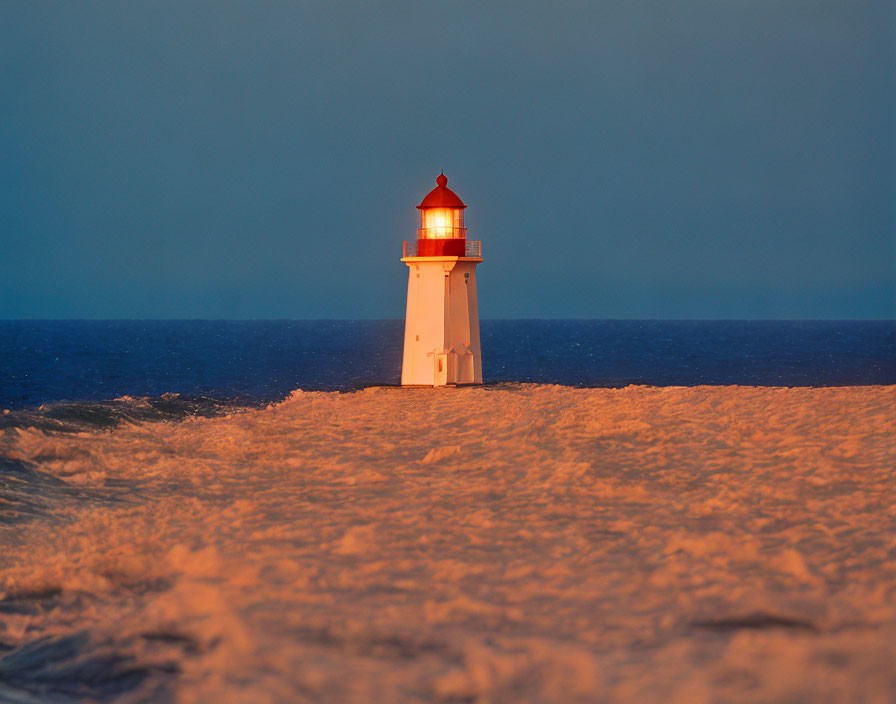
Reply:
x=519, y=319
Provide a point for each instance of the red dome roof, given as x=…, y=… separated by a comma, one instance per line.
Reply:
x=441, y=196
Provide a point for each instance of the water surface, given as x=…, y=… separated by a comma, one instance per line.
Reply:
x=262, y=361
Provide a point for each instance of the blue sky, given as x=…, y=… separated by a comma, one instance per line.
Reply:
x=689, y=159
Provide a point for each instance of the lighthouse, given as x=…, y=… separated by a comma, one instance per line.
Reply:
x=441, y=330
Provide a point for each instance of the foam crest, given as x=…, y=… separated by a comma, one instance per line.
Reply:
x=511, y=543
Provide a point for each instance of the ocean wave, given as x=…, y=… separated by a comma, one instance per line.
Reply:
x=505, y=544
x=99, y=415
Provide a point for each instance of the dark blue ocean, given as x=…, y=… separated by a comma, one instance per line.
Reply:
x=260, y=361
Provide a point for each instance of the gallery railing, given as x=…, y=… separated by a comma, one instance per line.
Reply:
x=473, y=249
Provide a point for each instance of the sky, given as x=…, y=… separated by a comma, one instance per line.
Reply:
x=622, y=159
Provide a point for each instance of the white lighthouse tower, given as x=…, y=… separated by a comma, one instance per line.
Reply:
x=441, y=333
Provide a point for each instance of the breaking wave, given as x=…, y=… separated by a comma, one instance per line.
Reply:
x=509, y=543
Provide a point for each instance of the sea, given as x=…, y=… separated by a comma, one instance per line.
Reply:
x=252, y=362
x=186, y=516
x=260, y=361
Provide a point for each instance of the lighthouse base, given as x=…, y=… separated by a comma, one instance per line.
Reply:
x=441, y=334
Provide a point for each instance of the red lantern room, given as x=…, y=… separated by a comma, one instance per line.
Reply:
x=442, y=232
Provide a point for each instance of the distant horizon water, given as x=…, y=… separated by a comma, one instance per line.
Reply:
x=259, y=361
x=509, y=318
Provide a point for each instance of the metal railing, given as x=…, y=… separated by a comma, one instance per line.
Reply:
x=473, y=249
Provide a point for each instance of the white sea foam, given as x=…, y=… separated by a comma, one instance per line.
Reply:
x=519, y=543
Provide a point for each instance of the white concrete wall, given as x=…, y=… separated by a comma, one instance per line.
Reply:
x=463, y=316
x=441, y=323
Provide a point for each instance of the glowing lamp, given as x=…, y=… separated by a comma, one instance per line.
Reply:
x=441, y=332
x=442, y=231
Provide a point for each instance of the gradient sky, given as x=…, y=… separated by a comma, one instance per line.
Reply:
x=683, y=159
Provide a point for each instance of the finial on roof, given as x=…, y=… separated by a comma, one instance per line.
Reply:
x=441, y=196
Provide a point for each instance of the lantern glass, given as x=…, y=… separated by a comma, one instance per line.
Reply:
x=442, y=223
